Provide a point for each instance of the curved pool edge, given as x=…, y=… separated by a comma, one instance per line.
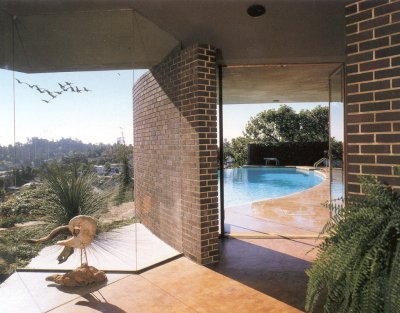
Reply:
x=304, y=168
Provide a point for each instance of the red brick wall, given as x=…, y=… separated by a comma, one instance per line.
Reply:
x=175, y=154
x=373, y=90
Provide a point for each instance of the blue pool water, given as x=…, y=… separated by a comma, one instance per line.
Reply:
x=243, y=185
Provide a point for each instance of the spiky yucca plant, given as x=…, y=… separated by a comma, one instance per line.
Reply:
x=73, y=191
x=358, y=266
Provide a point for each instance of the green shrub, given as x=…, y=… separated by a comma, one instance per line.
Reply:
x=358, y=265
x=28, y=204
x=7, y=222
x=73, y=193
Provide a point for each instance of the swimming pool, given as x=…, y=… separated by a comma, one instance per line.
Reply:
x=244, y=185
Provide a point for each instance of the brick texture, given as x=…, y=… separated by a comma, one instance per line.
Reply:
x=373, y=93
x=175, y=154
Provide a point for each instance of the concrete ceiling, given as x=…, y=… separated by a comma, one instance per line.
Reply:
x=65, y=35
x=283, y=84
x=85, y=40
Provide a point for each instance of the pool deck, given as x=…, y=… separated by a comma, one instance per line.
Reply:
x=300, y=215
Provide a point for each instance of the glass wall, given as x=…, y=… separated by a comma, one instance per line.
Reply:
x=336, y=113
x=66, y=142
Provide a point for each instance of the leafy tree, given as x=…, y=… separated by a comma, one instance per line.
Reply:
x=239, y=150
x=107, y=168
x=358, y=264
x=125, y=177
x=313, y=125
x=337, y=149
x=227, y=151
x=271, y=127
x=285, y=125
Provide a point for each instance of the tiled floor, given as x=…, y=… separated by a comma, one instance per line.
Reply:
x=29, y=292
x=299, y=215
x=255, y=275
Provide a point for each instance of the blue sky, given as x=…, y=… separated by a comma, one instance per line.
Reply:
x=95, y=116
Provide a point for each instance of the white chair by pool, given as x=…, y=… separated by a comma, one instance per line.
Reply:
x=267, y=160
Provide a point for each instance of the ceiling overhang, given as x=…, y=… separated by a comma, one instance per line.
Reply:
x=84, y=40
x=291, y=31
x=287, y=83
x=77, y=35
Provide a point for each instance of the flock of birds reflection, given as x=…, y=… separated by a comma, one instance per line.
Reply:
x=63, y=88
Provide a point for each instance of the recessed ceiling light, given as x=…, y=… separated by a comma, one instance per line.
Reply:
x=256, y=10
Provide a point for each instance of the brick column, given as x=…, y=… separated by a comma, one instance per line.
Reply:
x=373, y=91
x=175, y=152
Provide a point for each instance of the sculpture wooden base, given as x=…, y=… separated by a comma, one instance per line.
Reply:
x=81, y=276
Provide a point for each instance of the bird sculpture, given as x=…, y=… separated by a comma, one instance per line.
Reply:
x=81, y=231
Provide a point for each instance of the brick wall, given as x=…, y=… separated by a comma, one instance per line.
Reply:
x=373, y=91
x=175, y=156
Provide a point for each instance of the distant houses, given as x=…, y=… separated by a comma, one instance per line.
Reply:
x=112, y=169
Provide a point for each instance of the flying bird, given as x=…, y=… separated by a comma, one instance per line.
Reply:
x=47, y=101
x=19, y=82
x=58, y=92
x=85, y=89
x=68, y=83
x=39, y=89
x=50, y=94
x=78, y=90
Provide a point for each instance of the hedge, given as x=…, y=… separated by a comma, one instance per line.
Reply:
x=288, y=153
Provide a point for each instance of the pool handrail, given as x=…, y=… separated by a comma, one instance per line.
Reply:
x=316, y=164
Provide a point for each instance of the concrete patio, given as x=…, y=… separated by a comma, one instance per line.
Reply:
x=254, y=275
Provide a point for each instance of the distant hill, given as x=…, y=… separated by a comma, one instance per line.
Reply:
x=37, y=151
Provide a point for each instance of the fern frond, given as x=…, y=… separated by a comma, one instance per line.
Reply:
x=358, y=265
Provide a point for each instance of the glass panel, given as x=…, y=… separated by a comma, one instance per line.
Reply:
x=336, y=113
x=74, y=128
x=6, y=116
x=68, y=77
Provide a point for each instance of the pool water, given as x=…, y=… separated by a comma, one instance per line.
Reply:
x=244, y=185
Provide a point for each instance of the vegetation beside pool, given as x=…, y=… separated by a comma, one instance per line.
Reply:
x=283, y=128
x=357, y=269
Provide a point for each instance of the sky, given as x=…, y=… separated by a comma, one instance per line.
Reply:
x=98, y=116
